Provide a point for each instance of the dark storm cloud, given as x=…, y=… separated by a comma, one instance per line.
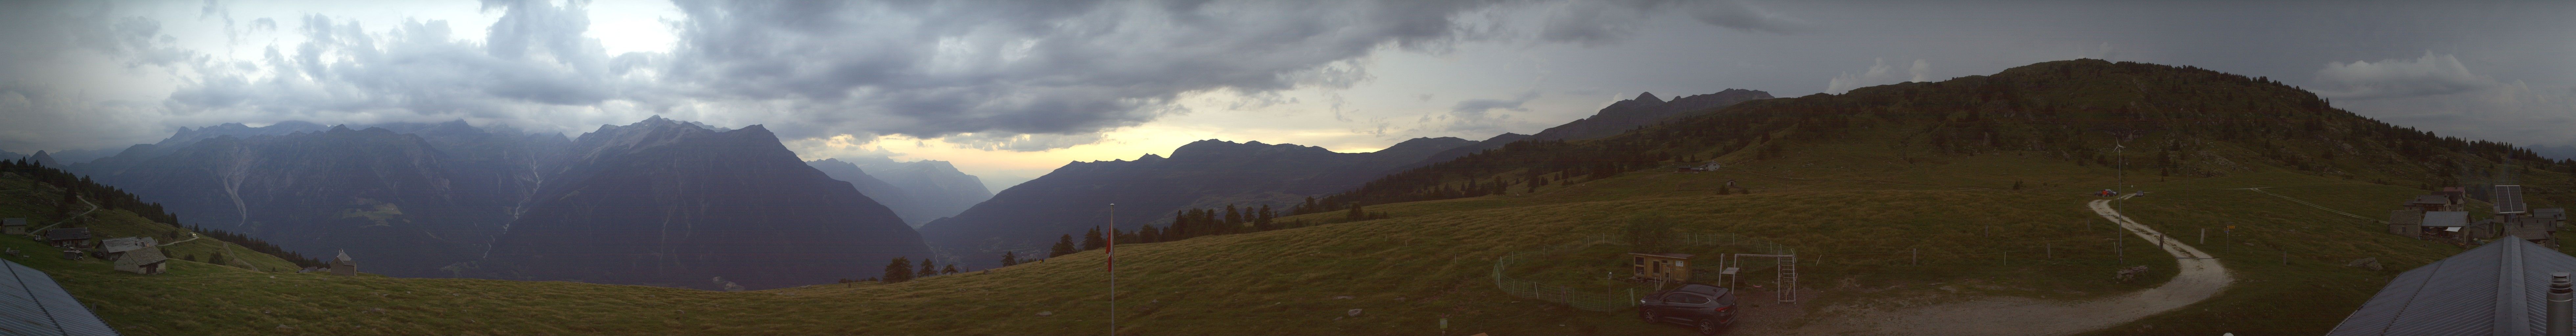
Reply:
x=944, y=68
x=1604, y=22
x=2433, y=74
x=534, y=54
x=1004, y=75
x=1472, y=115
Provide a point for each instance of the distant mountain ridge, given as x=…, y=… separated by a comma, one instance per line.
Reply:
x=1075, y=197
x=1646, y=109
x=391, y=198
x=667, y=203
x=432, y=199
x=920, y=191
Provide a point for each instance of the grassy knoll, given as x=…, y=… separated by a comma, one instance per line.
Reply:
x=1857, y=216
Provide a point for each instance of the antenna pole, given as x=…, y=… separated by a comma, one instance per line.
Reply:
x=1111, y=254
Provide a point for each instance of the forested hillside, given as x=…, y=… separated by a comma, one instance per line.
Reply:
x=2158, y=120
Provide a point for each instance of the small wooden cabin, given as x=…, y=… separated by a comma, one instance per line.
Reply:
x=146, y=261
x=2433, y=203
x=2557, y=216
x=15, y=226
x=342, y=265
x=2408, y=223
x=2447, y=225
x=114, y=248
x=2541, y=231
x=68, y=238
x=1674, y=267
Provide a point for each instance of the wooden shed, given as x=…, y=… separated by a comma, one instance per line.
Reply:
x=114, y=248
x=2408, y=223
x=1674, y=267
x=147, y=261
x=2541, y=231
x=68, y=238
x=342, y=265
x=2433, y=203
x=15, y=226
x=2447, y=225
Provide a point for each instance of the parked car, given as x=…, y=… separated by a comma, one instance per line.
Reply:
x=1708, y=308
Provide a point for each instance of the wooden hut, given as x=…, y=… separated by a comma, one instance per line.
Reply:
x=147, y=261
x=2537, y=230
x=1674, y=267
x=116, y=247
x=2408, y=223
x=2433, y=203
x=15, y=226
x=342, y=265
x=2447, y=225
x=68, y=238
x=2557, y=216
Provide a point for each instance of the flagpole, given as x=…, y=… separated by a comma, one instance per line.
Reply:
x=1110, y=253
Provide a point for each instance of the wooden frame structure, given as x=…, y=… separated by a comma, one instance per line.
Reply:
x=1787, y=278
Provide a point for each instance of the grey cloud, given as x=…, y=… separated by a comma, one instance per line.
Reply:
x=535, y=58
x=1599, y=22
x=1023, y=142
x=2432, y=74
x=1741, y=16
x=1473, y=115
x=1879, y=73
x=935, y=69
x=1594, y=22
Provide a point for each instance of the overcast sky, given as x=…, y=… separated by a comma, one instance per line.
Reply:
x=1010, y=90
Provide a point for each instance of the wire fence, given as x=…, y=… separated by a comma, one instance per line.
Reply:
x=1607, y=298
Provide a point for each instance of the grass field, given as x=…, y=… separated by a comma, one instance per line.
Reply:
x=1860, y=219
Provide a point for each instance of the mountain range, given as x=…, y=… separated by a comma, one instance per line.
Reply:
x=919, y=191
x=672, y=204
x=451, y=199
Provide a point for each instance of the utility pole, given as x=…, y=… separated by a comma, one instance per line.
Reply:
x=1110, y=254
x=2122, y=174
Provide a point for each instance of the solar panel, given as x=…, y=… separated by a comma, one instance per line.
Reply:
x=2508, y=200
x=32, y=304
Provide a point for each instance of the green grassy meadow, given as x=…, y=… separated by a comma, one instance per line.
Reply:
x=1860, y=218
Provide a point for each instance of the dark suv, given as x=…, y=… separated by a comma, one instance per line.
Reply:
x=1705, y=307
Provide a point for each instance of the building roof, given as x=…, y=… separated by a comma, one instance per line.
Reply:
x=67, y=234
x=344, y=256
x=2406, y=217
x=141, y=257
x=2550, y=213
x=32, y=304
x=2496, y=289
x=1664, y=255
x=114, y=245
x=2446, y=218
x=13, y=221
x=2430, y=199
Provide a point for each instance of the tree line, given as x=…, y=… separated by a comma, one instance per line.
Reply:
x=76, y=188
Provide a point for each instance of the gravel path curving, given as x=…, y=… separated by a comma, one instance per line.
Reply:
x=2201, y=278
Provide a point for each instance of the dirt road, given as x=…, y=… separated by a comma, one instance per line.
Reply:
x=2201, y=277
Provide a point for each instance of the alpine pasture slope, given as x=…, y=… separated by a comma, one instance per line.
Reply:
x=1890, y=208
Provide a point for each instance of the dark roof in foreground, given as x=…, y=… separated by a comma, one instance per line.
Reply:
x=2496, y=289
x=2446, y=218
x=31, y=304
x=67, y=234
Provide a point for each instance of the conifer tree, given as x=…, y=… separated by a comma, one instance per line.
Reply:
x=899, y=270
x=1009, y=258
x=950, y=269
x=927, y=268
x=1063, y=246
x=1093, y=240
